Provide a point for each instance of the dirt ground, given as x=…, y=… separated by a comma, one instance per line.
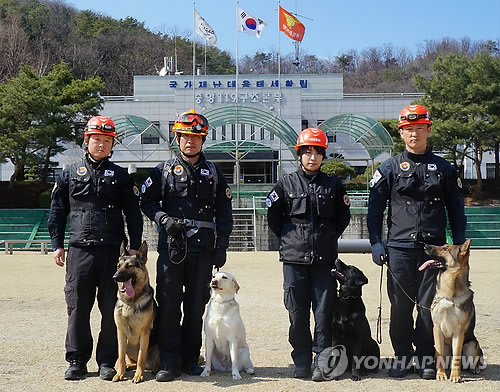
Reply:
x=33, y=325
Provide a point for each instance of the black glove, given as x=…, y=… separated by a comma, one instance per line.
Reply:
x=220, y=257
x=171, y=225
x=379, y=255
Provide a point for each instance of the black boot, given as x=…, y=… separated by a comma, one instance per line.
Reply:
x=76, y=371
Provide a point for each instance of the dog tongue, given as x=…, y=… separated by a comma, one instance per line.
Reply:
x=129, y=290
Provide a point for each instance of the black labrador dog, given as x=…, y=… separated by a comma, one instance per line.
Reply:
x=350, y=326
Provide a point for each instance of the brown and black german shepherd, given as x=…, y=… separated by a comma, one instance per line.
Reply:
x=453, y=313
x=134, y=315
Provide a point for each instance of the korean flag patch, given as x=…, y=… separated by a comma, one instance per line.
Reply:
x=148, y=182
x=109, y=173
x=376, y=177
x=205, y=172
x=273, y=196
x=431, y=167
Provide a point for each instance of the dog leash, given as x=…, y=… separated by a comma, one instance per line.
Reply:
x=379, y=318
x=404, y=291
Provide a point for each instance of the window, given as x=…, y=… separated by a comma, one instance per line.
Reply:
x=214, y=134
x=243, y=133
x=233, y=131
x=252, y=132
x=332, y=138
x=150, y=139
x=223, y=132
x=262, y=135
x=490, y=170
x=305, y=124
x=170, y=133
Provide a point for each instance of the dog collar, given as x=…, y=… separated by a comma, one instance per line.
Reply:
x=223, y=302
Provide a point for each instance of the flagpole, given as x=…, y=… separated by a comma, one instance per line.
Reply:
x=205, y=56
x=236, y=125
x=279, y=62
x=279, y=86
x=194, y=53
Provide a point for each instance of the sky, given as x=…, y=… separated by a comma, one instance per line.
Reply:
x=332, y=27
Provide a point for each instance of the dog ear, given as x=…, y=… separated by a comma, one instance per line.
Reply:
x=143, y=252
x=464, y=248
x=123, y=250
x=236, y=286
x=361, y=280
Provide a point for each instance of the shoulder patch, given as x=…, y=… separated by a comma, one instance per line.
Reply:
x=148, y=182
x=459, y=182
x=269, y=203
x=229, y=195
x=346, y=200
x=136, y=191
x=273, y=196
x=376, y=177
x=143, y=188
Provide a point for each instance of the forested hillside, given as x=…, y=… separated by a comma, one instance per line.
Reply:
x=41, y=33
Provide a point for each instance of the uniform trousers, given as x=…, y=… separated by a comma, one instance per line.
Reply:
x=414, y=285
x=305, y=286
x=186, y=284
x=90, y=269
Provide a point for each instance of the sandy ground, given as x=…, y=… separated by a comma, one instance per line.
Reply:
x=33, y=325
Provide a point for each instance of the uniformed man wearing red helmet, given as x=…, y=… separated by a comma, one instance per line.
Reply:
x=190, y=201
x=308, y=210
x=94, y=193
x=421, y=188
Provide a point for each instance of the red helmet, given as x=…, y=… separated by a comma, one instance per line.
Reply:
x=414, y=114
x=100, y=125
x=312, y=137
x=191, y=122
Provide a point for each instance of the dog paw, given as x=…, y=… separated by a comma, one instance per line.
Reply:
x=118, y=377
x=236, y=376
x=138, y=379
x=205, y=373
x=355, y=377
x=441, y=375
x=250, y=371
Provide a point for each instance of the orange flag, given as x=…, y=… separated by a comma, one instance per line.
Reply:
x=291, y=26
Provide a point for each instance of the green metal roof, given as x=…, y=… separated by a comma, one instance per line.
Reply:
x=253, y=115
x=372, y=135
x=230, y=147
x=127, y=125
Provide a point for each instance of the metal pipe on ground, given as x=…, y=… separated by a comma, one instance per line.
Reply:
x=354, y=246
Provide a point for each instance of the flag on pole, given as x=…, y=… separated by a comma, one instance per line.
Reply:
x=291, y=26
x=249, y=24
x=204, y=30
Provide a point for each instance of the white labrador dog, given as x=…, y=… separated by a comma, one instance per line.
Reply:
x=226, y=345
